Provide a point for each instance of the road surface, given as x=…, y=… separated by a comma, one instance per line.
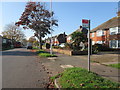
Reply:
x=21, y=69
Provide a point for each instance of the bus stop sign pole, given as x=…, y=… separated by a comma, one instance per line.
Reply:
x=89, y=47
x=86, y=24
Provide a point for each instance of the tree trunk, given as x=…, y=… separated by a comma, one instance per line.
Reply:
x=40, y=39
x=40, y=42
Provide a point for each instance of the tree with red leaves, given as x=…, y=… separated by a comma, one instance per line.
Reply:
x=37, y=18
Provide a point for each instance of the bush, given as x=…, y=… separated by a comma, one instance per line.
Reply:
x=100, y=47
x=68, y=46
x=47, y=55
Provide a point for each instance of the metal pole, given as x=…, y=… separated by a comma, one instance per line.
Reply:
x=51, y=26
x=89, y=47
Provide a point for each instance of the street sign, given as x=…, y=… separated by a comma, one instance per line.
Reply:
x=85, y=23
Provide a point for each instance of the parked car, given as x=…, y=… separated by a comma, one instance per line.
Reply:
x=29, y=46
x=17, y=45
x=62, y=45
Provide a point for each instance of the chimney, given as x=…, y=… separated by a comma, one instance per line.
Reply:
x=118, y=13
x=80, y=27
x=64, y=33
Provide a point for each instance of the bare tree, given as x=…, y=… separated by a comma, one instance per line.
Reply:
x=13, y=32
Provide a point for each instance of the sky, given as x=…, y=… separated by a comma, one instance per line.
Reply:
x=69, y=14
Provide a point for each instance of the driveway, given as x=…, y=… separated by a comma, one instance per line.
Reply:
x=21, y=69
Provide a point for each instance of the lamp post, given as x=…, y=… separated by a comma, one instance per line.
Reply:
x=51, y=26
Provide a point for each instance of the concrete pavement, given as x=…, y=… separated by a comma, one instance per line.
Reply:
x=21, y=69
x=56, y=65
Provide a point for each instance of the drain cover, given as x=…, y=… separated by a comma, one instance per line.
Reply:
x=52, y=58
x=66, y=66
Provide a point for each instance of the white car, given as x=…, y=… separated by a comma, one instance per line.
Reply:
x=62, y=45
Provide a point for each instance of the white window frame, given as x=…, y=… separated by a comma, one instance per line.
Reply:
x=100, y=33
x=69, y=38
x=114, y=30
x=4, y=41
x=93, y=42
x=118, y=29
x=116, y=43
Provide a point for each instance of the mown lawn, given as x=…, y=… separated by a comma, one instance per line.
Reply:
x=81, y=78
x=46, y=55
x=115, y=65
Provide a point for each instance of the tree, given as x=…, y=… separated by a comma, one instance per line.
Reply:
x=37, y=18
x=32, y=39
x=13, y=32
x=78, y=38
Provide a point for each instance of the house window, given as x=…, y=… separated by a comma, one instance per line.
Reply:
x=100, y=33
x=4, y=41
x=99, y=42
x=118, y=29
x=93, y=42
x=118, y=43
x=69, y=38
x=113, y=44
x=114, y=30
x=93, y=34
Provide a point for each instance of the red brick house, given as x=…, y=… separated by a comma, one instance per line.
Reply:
x=58, y=39
x=107, y=33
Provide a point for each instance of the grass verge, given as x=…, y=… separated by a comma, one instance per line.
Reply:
x=43, y=53
x=46, y=55
x=115, y=65
x=81, y=78
x=36, y=48
x=40, y=51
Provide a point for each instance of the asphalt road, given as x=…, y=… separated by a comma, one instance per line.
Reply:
x=21, y=69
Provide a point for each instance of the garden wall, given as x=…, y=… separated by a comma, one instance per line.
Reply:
x=70, y=52
x=67, y=52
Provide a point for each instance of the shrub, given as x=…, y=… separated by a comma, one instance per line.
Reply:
x=68, y=46
x=100, y=47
